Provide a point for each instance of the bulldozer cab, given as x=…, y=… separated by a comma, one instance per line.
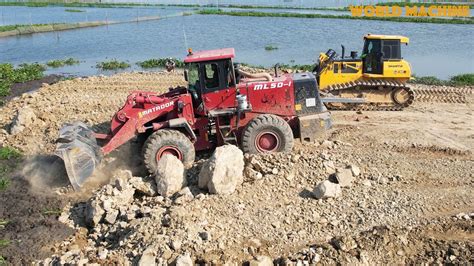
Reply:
x=211, y=79
x=379, y=49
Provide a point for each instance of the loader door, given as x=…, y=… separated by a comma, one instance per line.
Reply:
x=218, y=90
x=372, y=57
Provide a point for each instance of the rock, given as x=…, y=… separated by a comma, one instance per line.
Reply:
x=184, y=260
x=344, y=177
x=329, y=167
x=261, y=261
x=184, y=195
x=252, y=174
x=205, y=236
x=103, y=252
x=94, y=213
x=111, y=216
x=176, y=244
x=148, y=257
x=345, y=243
x=327, y=144
x=367, y=183
x=144, y=186
x=223, y=172
x=24, y=118
x=327, y=189
x=170, y=176
x=354, y=169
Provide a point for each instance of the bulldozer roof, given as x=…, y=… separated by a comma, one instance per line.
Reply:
x=209, y=55
x=402, y=39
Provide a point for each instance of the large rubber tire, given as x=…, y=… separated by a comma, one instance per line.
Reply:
x=267, y=133
x=167, y=141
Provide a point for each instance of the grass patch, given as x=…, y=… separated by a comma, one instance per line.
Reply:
x=61, y=63
x=3, y=223
x=159, y=62
x=74, y=10
x=270, y=47
x=297, y=15
x=4, y=243
x=7, y=153
x=113, y=65
x=23, y=73
x=51, y=212
x=456, y=81
x=463, y=80
x=4, y=183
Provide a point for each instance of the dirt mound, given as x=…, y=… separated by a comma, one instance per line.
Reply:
x=93, y=100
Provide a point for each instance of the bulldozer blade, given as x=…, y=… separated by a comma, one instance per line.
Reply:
x=78, y=148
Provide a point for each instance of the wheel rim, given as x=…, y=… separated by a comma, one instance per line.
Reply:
x=267, y=142
x=401, y=96
x=171, y=150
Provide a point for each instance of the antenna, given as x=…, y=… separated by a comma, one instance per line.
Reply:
x=185, y=39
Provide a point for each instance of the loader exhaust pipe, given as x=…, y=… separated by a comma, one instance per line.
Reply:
x=343, y=51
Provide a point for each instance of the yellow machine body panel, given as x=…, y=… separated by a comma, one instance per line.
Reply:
x=346, y=71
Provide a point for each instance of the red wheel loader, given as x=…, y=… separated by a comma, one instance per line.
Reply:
x=222, y=104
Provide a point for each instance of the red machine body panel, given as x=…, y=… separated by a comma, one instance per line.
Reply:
x=210, y=55
x=270, y=97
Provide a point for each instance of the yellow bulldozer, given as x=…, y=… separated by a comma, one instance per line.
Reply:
x=376, y=80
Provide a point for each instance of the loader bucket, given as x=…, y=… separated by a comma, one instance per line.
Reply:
x=78, y=148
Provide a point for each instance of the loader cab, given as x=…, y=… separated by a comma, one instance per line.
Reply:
x=379, y=49
x=211, y=79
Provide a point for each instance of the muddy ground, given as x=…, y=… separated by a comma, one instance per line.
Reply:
x=412, y=202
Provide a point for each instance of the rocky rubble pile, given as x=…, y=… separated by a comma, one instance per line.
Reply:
x=425, y=244
x=275, y=207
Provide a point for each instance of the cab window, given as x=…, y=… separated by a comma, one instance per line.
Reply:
x=211, y=76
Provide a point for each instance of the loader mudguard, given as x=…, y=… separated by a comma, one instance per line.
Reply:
x=181, y=122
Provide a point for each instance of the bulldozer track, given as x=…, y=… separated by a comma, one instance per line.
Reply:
x=444, y=95
x=367, y=86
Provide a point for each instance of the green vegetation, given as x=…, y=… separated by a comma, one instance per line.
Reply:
x=20, y=29
x=24, y=73
x=51, y=211
x=297, y=15
x=463, y=80
x=3, y=223
x=74, y=10
x=287, y=7
x=61, y=63
x=7, y=153
x=298, y=67
x=4, y=183
x=112, y=65
x=457, y=81
x=4, y=243
x=270, y=47
x=160, y=62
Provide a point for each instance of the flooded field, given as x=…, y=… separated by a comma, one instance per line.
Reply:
x=440, y=50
